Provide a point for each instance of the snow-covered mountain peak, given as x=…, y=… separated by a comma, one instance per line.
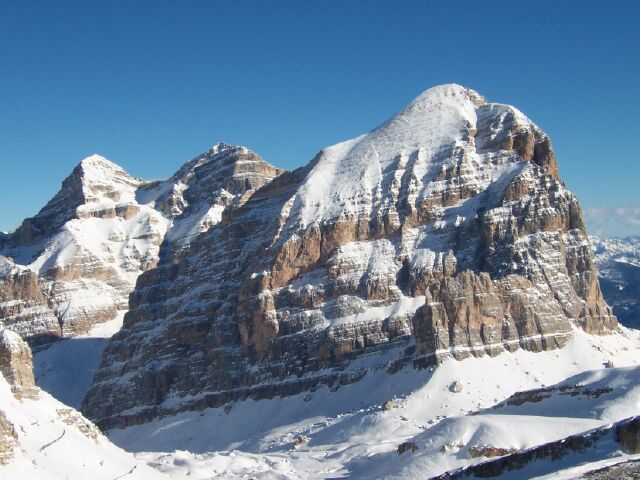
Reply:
x=221, y=154
x=222, y=146
x=450, y=94
x=204, y=187
x=443, y=126
x=101, y=179
x=98, y=162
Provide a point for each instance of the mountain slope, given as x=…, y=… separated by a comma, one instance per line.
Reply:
x=444, y=232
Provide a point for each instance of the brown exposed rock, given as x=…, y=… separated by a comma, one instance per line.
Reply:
x=23, y=307
x=16, y=364
x=476, y=451
x=75, y=419
x=410, y=447
x=301, y=440
x=489, y=316
x=628, y=436
x=388, y=405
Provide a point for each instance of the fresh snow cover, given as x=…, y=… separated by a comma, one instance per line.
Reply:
x=66, y=368
x=74, y=456
x=352, y=436
x=10, y=340
x=605, y=455
x=404, y=306
x=349, y=176
x=348, y=173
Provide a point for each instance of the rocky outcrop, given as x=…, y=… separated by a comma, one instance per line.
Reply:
x=476, y=451
x=16, y=364
x=74, y=264
x=628, y=436
x=469, y=314
x=445, y=231
x=23, y=306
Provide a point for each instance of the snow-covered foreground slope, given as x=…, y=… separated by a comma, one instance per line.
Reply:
x=43, y=439
x=350, y=434
x=603, y=453
x=56, y=442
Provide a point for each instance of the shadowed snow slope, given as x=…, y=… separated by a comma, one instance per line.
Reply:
x=54, y=442
x=65, y=369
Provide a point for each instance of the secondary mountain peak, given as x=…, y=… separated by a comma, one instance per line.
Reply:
x=78, y=258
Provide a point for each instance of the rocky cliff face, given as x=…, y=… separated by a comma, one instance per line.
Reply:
x=445, y=231
x=23, y=306
x=74, y=264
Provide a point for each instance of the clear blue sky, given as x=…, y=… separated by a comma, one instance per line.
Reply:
x=150, y=84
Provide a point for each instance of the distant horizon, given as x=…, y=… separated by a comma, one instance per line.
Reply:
x=150, y=85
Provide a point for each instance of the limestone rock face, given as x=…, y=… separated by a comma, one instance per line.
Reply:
x=16, y=364
x=74, y=264
x=445, y=231
x=23, y=306
x=469, y=314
